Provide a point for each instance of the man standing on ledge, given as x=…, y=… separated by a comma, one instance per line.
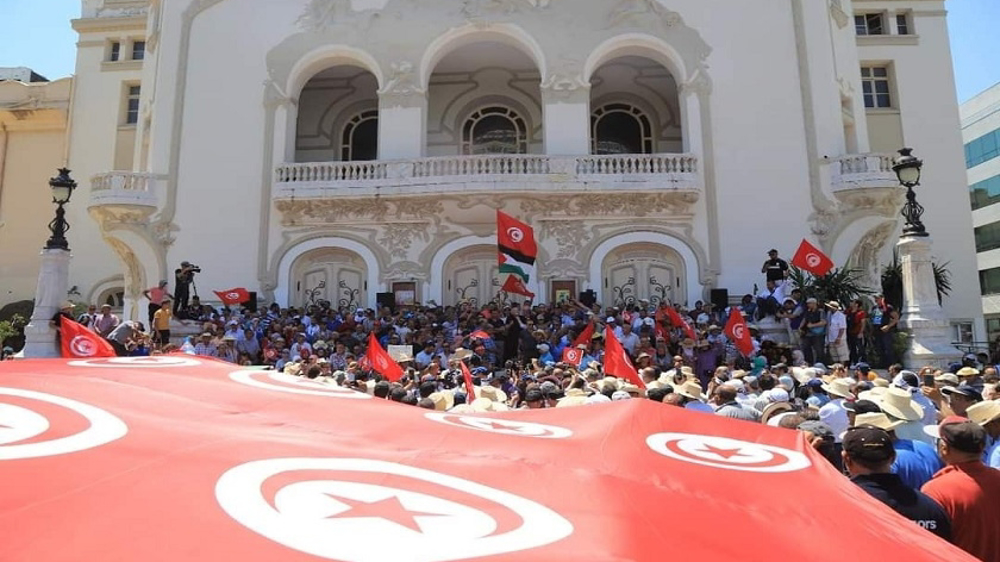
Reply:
x=183, y=278
x=775, y=268
x=156, y=296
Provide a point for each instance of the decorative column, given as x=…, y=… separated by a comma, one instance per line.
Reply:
x=402, y=115
x=566, y=114
x=923, y=318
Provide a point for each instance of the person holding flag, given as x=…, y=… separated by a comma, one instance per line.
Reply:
x=380, y=361
x=617, y=363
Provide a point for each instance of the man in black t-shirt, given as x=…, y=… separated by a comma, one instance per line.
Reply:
x=775, y=268
x=868, y=455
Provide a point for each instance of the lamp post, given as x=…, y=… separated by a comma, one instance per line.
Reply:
x=927, y=326
x=53, y=274
x=908, y=168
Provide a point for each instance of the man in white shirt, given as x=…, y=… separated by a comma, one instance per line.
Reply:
x=836, y=334
x=628, y=339
x=770, y=299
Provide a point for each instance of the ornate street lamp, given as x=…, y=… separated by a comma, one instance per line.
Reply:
x=907, y=170
x=62, y=189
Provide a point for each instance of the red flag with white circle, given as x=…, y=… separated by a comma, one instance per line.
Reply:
x=736, y=330
x=812, y=259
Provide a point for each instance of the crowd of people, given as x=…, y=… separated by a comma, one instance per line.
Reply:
x=924, y=441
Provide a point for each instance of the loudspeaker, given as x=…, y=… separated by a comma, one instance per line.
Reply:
x=252, y=303
x=720, y=299
x=588, y=297
x=386, y=300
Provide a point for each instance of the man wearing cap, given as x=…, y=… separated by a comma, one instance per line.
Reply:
x=987, y=414
x=961, y=397
x=868, y=455
x=967, y=489
x=774, y=268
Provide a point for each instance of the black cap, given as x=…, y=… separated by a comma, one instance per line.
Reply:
x=533, y=395
x=868, y=443
x=862, y=407
x=772, y=251
x=965, y=390
x=966, y=436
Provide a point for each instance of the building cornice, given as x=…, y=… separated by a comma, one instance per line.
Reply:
x=95, y=25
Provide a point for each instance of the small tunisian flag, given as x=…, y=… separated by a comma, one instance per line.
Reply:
x=469, y=387
x=380, y=361
x=238, y=295
x=678, y=321
x=514, y=285
x=78, y=341
x=736, y=330
x=616, y=360
x=516, y=243
x=572, y=356
x=812, y=259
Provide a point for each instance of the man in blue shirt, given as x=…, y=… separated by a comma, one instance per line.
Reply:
x=914, y=461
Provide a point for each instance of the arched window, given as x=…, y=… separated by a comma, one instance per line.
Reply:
x=495, y=130
x=360, y=138
x=620, y=128
x=114, y=297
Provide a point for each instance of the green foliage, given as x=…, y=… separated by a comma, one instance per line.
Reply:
x=12, y=327
x=892, y=281
x=842, y=285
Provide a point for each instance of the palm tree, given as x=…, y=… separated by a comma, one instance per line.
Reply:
x=892, y=281
x=842, y=284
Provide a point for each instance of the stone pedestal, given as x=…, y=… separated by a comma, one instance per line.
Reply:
x=772, y=329
x=53, y=282
x=930, y=332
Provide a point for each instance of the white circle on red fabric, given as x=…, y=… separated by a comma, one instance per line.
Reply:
x=723, y=452
x=426, y=520
x=22, y=424
x=501, y=426
x=293, y=385
x=140, y=362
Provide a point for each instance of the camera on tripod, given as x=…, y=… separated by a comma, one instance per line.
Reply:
x=194, y=268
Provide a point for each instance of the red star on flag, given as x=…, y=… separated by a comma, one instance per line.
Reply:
x=724, y=453
x=503, y=426
x=389, y=509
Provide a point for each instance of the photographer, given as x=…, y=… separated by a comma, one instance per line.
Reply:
x=183, y=279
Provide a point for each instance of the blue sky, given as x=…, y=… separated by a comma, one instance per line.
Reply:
x=37, y=34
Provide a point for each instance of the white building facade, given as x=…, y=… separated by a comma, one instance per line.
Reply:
x=338, y=149
x=981, y=133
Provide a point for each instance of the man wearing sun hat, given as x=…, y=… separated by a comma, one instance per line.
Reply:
x=916, y=462
x=900, y=404
x=987, y=414
x=833, y=412
x=967, y=489
x=868, y=455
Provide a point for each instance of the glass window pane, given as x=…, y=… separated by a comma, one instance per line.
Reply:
x=866, y=86
x=884, y=100
x=880, y=71
x=882, y=87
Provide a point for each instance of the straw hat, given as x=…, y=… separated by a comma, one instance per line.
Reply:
x=880, y=383
x=690, y=389
x=839, y=387
x=292, y=369
x=491, y=393
x=443, y=400
x=574, y=397
x=875, y=394
x=803, y=375
x=774, y=409
x=967, y=372
x=65, y=305
x=984, y=412
x=899, y=403
x=460, y=354
x=687, y=372
x=878, y=420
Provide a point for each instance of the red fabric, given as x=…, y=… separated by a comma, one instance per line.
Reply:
x=572, y=356
x=238, y=295
x=679, y=322
x=196, y=460
x=585, y=336
x=479, y=335
x=470, y=392
x=812, y=259
x=515, y=235
x=77, y=340
x=968, y=492
x=380, y=361
x=616, y=360
x=514, y=285
x=736, y=330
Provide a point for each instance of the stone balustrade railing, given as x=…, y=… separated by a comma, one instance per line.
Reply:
x=860, y=171
x=122, y=181
x=459, y=173
x=128, y=189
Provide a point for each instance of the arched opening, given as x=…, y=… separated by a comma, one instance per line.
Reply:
x=338, y=116
x=472, y=275
x=643, y=271
x=494, y=130
x=635, y=108
x=329, y=276
x=484, y=98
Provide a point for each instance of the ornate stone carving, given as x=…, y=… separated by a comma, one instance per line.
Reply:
x=274, y=96
x=838, y=14
x=699, y=84
x=885, y=202
x=405, y=271
x=476, y=9
x=568, y=234
x=563, y=269
x=615, y=204
x=640, y=12
x=823, y=222
x=397, y=238
x=322, y=14
x=325, y=211
x=163, y=232
x=866, y=253
x=401, y=86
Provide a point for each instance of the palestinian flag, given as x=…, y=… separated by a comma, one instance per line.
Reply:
x=518, y=250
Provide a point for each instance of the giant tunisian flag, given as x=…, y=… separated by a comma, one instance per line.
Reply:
x=187, y=458
x=78, y=341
